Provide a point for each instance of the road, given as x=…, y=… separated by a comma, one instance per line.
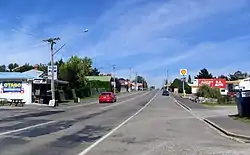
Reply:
x=140, y=124
x=64, y=131
x=165, y=128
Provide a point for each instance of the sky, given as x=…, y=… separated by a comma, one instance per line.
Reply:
x=148, y=36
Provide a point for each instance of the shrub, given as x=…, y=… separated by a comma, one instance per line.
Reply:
x=208, y=92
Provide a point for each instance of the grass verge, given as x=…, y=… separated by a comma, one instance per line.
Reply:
x=219, y=104
x=242, y=119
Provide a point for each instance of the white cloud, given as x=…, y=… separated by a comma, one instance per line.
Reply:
x=138, y=30
x=129, y=28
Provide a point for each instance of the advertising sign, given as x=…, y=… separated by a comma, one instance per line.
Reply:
x=12, y=87
x=218, y=83
x=183, y=72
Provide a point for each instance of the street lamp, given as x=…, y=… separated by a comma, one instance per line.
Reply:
x=85, y=30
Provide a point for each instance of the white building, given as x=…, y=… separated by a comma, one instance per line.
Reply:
x=230, y=85
x=16, y=85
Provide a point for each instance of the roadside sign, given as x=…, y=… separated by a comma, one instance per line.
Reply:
x=183, y=72
x=50, y=72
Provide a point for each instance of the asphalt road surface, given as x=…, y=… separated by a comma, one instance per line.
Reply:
x=140, y=124
x=165, y=128
x=64, y=131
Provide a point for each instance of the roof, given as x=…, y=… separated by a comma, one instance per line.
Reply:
x=99, y=78
x=31, y=74
x=233, y=82
x=14, y=75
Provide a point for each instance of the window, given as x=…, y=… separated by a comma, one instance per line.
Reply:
x=106, y=93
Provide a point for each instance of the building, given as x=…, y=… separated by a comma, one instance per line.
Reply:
x=30, y=86
x=215, y=83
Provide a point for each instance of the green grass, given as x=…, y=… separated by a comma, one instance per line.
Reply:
x=219, y=104
x=243, y=119
x=90, y=97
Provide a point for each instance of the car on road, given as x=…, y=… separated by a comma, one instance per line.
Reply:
x=165, y=93
x=107, y=97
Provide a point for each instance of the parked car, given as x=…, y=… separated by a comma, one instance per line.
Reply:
x=107, y=97
x=232, y=93
x=165, y=93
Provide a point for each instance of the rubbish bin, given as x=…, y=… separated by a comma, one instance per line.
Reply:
x=243, y=103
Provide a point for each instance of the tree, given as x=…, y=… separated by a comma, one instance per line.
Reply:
x=204, y=74
x=24, y=68
x=12, y=66
x=75, y=70
x=223, y=77
x=95, y=72
x=238, y=75
x=140, y=79
x=177, y=83
x=189, y=79
x=2, y=68
x=208, y=92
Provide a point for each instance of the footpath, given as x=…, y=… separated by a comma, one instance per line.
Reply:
x=223, y=118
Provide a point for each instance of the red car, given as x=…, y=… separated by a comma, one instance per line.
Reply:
x=107, y=97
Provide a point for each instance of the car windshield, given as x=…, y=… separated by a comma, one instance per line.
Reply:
x=106, y=94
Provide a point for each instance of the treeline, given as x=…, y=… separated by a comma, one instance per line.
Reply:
x=74, y=71
x=205, y=74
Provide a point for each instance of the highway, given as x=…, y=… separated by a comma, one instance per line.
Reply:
x=64, y=131
x=145, y=123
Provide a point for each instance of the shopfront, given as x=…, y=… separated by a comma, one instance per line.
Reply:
x=16, y=89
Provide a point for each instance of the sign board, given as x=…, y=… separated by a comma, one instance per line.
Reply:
x=217, y=83
x=39, y=81
x=12, y=87
x=50, y=72
x=183, y=72
x=52, y=103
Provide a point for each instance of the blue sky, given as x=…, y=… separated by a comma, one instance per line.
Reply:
x=148, y=36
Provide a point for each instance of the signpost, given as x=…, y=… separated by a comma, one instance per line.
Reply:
x=50, y=72
x=183, y=72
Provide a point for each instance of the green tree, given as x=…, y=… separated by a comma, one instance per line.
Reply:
x=238, y=75
x=204, y=74
x=95, y=72
x=223, y=77
x=12, y=66
x=189, y=79
x=75, y=70
x=208, y=92
x=24, y=68
x=2, y=68
x=177, y=83
x=140, y=79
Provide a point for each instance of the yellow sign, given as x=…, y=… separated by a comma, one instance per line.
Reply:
x=183, y=72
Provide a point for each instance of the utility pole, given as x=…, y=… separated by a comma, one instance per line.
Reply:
x=52, y=41
x=130, y=80
x=114, y=78
x=167, y=80
x=136, y=88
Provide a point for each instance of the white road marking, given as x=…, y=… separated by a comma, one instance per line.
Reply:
x=210, y=126
x=46, y=123
x=26, y=128
x=84, y=152
x=118, y=103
